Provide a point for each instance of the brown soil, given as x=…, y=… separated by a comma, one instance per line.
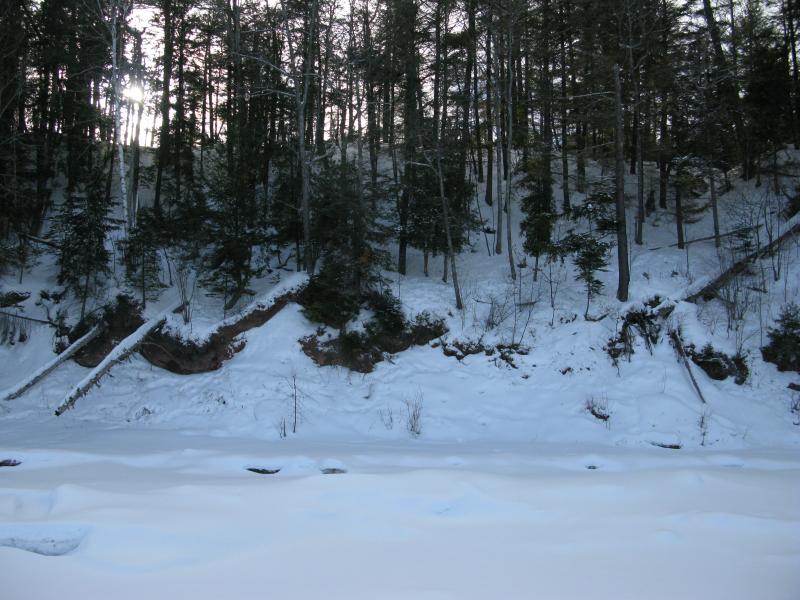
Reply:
x=360, y=353
x=184, y=358
x=120, y=321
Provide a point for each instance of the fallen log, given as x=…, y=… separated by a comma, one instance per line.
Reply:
x=168, y=351
x=707, y=238
x=44, y=371
x=711, y=289
x=43, y=241
x=120, y=352
x=682, y=358
x=24, y=318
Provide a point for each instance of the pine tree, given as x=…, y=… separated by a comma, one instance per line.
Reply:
x=537, y=204
x=590, y=257
x=142, y=265
x=82, y=227
x=349, y=242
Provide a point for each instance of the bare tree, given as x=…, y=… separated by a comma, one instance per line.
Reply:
x=301, y=64
x=114, y=17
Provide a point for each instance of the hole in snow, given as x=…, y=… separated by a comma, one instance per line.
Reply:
x=666, y=445
x=261, y=471
x=9, y=462
x=332, y=471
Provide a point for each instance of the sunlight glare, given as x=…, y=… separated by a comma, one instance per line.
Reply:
x=135, y=94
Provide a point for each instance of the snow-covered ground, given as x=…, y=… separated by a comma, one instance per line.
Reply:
x=132, y=514
x=510, y=488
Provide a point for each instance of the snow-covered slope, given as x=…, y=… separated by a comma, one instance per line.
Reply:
x=649, y=400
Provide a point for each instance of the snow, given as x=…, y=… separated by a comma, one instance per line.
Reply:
x=148, y=515
x=41, y=372
x=203, y=324
x=116, y=355
x=512, y=490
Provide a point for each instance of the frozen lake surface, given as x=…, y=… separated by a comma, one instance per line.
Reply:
x=123, y=514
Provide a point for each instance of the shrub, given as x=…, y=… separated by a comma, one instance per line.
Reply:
x=326, y=300
x=598, y=408
x=360, y=352
x=783, y=348
x=388, y=314
x=720, y=366
x=426, y=327
x=414, y=415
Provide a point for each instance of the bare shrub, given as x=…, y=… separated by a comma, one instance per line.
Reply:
x=598, y=408
x=738, y=301
x=703, y=423
x=500, y=309
x=187, y=283
x=414, y=415
x=281, y=427
x=387, y=418
x=13, y=329
x=296, y=397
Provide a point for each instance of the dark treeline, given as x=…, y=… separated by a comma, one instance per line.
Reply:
x=330, y=127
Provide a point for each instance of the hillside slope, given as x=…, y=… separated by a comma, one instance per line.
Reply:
x=546, y=395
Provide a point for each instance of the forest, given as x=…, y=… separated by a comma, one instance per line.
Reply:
x=219, y=139
x=358, y=299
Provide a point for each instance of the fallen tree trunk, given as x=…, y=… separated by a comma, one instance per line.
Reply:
x=187, y=357
x=39, y=240
x=45, y=370
x=24, y=318
x=168, y=351
x=120, y=352
x=707, y=238
x=677, y=343
x=711, y=289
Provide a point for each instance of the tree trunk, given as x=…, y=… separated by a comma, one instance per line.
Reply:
x=565, y=203
x=622, y=234
x=727, y=87
x=679, y=213
x=714, y=205
x=446, y=224
x=509, y=137
x=117, y=25
x=163, y=138
x=498, y=236
x=489, y=122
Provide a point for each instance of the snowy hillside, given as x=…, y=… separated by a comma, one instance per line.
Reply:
x=543, y=394
x=544, y=471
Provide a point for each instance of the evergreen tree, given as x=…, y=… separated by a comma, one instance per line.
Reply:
x=591, y=256
x=349, y=246
x=82, y=227
x=232, y=233
x=537, y=204
x=142, y=264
